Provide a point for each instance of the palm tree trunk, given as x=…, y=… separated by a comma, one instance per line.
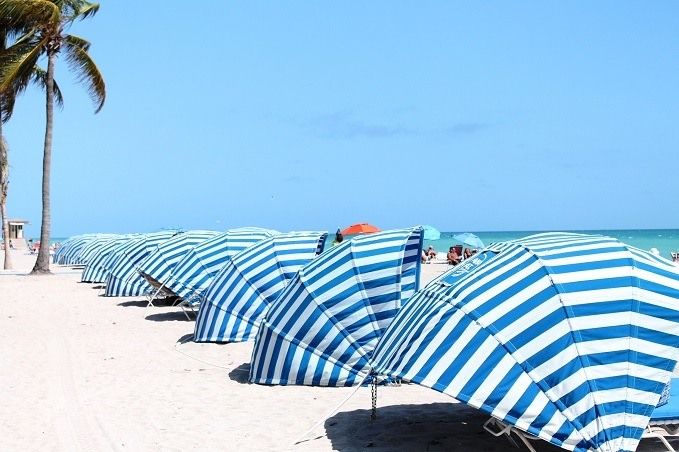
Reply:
x=42, y=264
x=4, y=185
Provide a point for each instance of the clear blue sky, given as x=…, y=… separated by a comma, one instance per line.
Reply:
x=312, y=115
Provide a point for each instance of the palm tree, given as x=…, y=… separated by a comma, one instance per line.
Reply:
x=41, y=25
x=7, y=101
x=4, y=186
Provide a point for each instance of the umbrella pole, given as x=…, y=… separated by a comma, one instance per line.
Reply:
x=373, y=392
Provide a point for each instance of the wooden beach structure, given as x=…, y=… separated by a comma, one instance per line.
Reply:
x=16, y=232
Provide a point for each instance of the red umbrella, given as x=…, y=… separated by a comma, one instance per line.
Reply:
x=361, y=228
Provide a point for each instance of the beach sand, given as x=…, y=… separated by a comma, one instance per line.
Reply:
x=83, y=372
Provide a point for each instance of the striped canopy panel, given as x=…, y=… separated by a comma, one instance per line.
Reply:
x=569, y=337
x=96, y=269
x=236, y=301
x=76, y=255
x=63, y=248
x=323, y=328
x=66, y=245
x=158, y=265
x=123, y=279
x=93, y=247
x=194, y=273
x=116, y=254
x=69, y=251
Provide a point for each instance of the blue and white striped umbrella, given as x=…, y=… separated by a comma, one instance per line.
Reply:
x=323, y=328
x=63, y=248
x=123, y=279
x=194, y=273
x=158, y=266
x=234, y=304
x=92, y=248
x=68, y=252
x=116, y=253
x=98, y=266
x=568, y=337
x=75, y=254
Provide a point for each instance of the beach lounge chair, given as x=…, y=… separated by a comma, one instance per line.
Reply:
x=664, y=422
x=157, y=290
x=497, y=427
x=191, y=304
x=663, y=425
x=160, y=291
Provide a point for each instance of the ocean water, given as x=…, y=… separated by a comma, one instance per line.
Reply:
x=665, y=240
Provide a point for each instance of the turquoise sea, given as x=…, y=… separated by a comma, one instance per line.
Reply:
x=665, y=240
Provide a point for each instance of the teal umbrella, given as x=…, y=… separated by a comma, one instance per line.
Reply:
x=469, y=239
x=431, y=233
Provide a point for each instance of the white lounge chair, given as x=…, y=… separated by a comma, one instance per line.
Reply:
x=664, y=424
x=157, y=291
x=191, y=304
x=497, y=427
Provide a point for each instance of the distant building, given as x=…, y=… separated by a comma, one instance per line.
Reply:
x=16, y=232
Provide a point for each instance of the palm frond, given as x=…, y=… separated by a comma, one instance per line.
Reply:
x=9, y=97
x=86, y=10
x=72, y=10
x=19, y=16
x=17, y=37
x=40, y=79
x=78, y=42
x=7, y=106
x=17, y=63
x=86, y=72
x=37, y=76
x=19, y=85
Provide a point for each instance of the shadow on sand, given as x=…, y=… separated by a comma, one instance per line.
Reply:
x=134, y=304
x=174, y=316
x=432, y=426
x=240, y=374
x=185, y=338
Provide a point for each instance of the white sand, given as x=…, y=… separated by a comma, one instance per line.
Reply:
x=83, y=372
